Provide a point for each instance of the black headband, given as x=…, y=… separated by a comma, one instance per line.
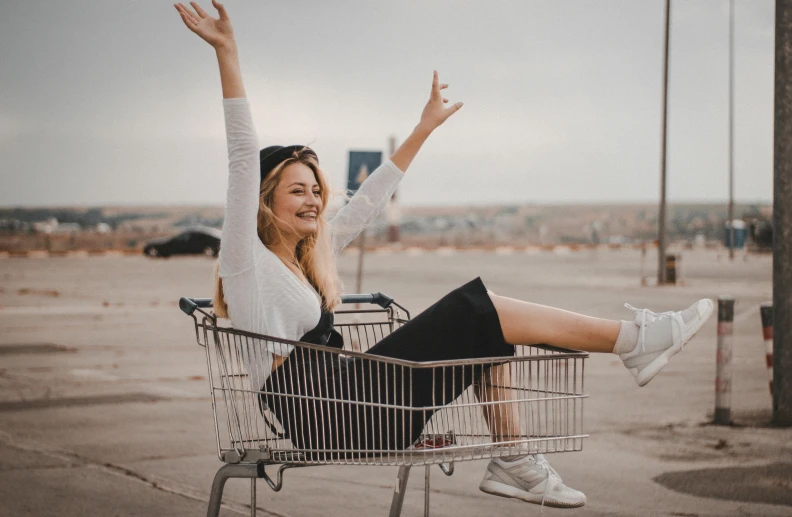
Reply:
x=271, y=156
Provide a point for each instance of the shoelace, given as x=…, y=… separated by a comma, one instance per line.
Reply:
x=653, y=316
x=551, y=473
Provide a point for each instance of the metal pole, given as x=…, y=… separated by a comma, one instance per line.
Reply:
x=731, y=130
x=782, y=218
x=398, y=491
x=359, y=283
x=766, y=311
x=426, y=491
x=393, y=209
x=218, y=484
x=643, y=262
x=723, y=376
x=661, y=240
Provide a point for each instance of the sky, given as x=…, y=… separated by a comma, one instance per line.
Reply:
x=118, y=103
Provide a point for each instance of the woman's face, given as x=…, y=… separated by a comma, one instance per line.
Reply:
x=297, y=202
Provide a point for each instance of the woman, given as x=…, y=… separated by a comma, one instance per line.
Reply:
x=277, y=276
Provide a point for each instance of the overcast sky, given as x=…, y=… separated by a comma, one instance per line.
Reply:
x=117, y=102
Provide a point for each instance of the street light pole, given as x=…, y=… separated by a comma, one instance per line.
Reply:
x=782, y=217
x=731, y=130
x=661, y=239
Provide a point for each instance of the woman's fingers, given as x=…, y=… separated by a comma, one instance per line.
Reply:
x=187, y=22
x=186, y=13
x=453, y=109
x=201, y=12
x=188, y=19
x=216, y=32
x=436, y=110
x=435, y=91
x=220, y=10
x=183, y=9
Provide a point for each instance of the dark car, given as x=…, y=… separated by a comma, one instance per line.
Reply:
x=202, y=240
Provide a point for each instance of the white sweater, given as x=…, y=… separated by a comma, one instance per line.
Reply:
x=263, y=295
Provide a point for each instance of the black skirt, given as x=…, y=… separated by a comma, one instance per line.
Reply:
x=461, y=325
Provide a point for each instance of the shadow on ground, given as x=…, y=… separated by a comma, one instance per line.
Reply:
x=771, y=484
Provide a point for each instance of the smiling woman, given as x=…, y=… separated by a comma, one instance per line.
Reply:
x=277, y=277
x=291, y=200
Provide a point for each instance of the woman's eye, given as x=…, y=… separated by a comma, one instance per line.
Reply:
x=317, y=193
x=298, y=191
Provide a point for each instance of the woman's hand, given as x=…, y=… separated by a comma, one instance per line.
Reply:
x=219, y=34
x=216, y=32
x=434, y=114
x=435, y=111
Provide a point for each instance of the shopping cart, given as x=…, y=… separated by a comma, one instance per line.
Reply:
x=529, y=403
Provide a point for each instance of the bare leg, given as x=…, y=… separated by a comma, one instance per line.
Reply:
x=503, y=419
x=525, y=323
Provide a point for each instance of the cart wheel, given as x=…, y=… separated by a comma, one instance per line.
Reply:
x=152, y=252
x=209, y=251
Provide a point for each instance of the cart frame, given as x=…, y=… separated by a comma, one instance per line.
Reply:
x=529, y=403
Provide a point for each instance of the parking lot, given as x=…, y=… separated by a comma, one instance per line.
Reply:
x=104, y=402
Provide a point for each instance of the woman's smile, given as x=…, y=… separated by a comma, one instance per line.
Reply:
x=309, y=215
x=298, y=201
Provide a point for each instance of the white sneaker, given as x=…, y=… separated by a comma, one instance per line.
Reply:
x=530, y=479
x=661, y=336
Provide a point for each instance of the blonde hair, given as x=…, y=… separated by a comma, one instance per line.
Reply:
x=314, y=253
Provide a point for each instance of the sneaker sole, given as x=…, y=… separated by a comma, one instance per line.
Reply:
x=653, y=368
x=503, y=490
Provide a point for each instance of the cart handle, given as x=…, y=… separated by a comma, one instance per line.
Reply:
x=188, y=305
x=380, y=299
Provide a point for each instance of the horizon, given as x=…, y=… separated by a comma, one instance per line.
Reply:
x=737, y=202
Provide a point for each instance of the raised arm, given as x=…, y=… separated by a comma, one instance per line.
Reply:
x=373, y=195
x=434, y=114
x=220, y=35
x=239, y=227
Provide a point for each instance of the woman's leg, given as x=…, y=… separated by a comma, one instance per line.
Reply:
x=528, y=477
x=502, y=416
x=645, y=345
x=525, y=323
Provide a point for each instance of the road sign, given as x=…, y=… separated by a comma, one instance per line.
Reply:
x=361, y=165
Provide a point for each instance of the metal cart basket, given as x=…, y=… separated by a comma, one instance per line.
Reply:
x=528, y=403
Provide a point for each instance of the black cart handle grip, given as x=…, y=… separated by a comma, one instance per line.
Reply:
x=380, y=299
x=188, y=305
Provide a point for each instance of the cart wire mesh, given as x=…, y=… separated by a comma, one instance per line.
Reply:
x=477, y=408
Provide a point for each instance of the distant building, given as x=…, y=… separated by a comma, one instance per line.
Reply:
x=51, y=225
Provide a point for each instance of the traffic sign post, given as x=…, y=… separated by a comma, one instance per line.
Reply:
x=361, y=165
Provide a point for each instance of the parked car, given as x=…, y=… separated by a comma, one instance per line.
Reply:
x=198, y=240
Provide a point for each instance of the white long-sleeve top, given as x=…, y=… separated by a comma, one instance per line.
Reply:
x=262, y=294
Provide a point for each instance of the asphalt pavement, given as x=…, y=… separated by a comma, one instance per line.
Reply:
x=104, y=400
